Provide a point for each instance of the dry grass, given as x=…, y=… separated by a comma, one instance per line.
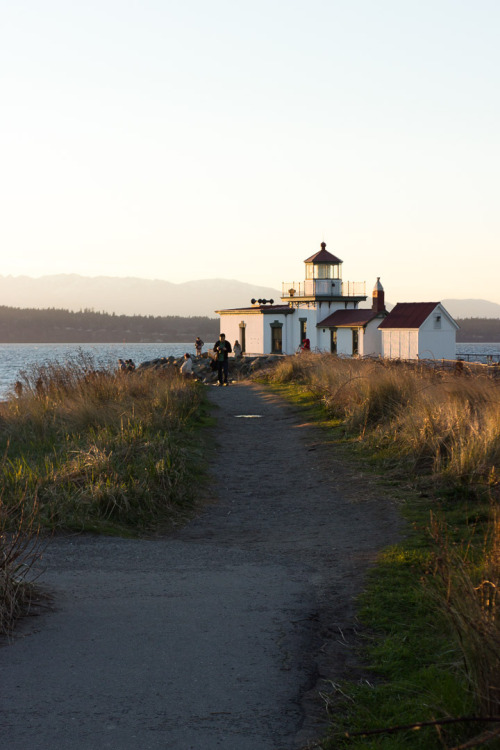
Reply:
x=90, y=450
x=447, y=423
x=19, y=550
x=468, y=592
x=443, y=427
x=100, y=448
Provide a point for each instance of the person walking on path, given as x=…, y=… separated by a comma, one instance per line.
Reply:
x=198, y=345
x=222, y=349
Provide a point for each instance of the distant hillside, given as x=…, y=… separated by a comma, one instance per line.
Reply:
x=478, y=330
x=20, y=326
x=471, y=308
x=129, y=296
x=133, y=296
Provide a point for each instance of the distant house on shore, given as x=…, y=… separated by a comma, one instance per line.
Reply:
x=325, y=310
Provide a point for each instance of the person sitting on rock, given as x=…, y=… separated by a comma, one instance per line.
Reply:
x=187, y=366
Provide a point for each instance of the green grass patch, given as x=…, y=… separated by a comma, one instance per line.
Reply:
x=115, y=453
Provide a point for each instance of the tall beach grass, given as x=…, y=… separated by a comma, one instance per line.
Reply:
x=91, y=450
x=432, y=604
x=434, y=421
x=99, y=449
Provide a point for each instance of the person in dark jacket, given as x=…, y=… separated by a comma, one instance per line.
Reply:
x=222, y=349
x=198, y=345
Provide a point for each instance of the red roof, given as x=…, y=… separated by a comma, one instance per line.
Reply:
x=348, y=318
x=323, y=256
x=409, y=314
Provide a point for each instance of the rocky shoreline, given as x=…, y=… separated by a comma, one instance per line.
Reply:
x=203, y=371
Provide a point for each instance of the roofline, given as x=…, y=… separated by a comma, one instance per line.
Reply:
x=257, y=311
x=361, y=324
x=327, y=298
x=417, y=328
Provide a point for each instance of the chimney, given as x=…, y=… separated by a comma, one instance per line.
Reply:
x=378, y=297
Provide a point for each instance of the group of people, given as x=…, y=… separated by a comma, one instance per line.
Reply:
x=222, y=349
x=126, y=365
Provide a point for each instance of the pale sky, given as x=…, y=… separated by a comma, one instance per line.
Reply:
x=194, y=139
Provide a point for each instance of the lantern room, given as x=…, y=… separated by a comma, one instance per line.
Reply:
x=323, y=265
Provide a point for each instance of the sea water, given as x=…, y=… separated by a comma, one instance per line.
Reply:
x=17, y=357
x=484, y=353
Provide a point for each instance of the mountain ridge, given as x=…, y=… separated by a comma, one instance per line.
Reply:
x=130, y=295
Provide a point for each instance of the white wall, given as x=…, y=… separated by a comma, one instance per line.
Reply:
x=400, y=343
x=230, y=325
x=372, y=339
x=323, y=339
x=344, y=342
x=437, y=343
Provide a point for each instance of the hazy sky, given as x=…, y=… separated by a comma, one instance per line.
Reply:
x=197, y=139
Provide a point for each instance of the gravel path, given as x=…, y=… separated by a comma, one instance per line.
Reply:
x=220, y=637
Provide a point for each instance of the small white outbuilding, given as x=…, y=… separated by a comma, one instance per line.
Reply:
x=419, y=330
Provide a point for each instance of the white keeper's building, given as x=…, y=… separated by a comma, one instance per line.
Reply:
x=325, y=309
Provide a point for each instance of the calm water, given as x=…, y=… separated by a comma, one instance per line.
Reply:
x=479, y=352
x=16, y=357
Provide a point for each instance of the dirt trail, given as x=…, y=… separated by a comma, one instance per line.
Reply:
x=219, y=637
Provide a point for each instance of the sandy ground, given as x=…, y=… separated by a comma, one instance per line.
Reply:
x=222, y=636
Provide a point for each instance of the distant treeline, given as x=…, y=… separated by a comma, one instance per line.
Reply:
x=51, y=326
x=477, y=330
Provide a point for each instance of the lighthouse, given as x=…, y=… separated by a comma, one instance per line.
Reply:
x=323, y=284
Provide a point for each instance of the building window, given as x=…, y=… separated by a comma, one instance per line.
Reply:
x=324, y=271
x=333, y=341
x=303, y=329
x=276, y=337
x=355, y=341
x=437, y=321
x=243, y=342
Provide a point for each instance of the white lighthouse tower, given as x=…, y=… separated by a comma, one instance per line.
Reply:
x=323, y=284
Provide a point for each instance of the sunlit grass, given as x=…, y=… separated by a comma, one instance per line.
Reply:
x=101, y=449
x=430, y=613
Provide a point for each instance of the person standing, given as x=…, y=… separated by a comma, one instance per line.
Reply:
x=198, y=344
x=237, y=349
x=222, y=349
